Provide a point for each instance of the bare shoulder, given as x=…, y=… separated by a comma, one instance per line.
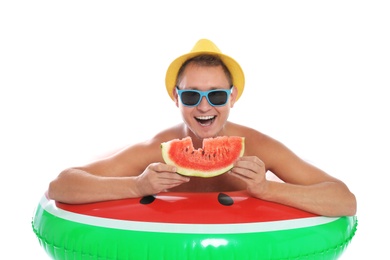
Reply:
x=255, y=141
x=134, y=158
x=277, y=157
x=149, y=150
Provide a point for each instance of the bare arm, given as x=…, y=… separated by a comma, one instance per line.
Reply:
x=328, y=198
x=77, y=185
x=304, y=186
x=137, y=171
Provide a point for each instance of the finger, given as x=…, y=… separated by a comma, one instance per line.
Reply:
x=162, y=167
x=257, y=166
x=244, y=178
x=249, y=162
x=246, y=169
x=173, y=176
x=242, y=172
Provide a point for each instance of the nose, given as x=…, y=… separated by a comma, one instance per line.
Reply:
x=204, y=104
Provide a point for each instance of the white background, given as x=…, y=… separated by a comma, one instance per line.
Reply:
x=82, y=78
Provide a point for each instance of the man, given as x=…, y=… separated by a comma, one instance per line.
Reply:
x=139, y=170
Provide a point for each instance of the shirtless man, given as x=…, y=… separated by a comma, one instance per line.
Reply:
x=139, y=170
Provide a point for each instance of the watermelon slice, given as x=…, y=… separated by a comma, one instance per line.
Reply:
x=215, y=157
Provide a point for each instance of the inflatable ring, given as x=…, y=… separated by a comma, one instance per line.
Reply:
x=230, y=225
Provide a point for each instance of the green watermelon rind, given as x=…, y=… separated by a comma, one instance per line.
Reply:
x=67, y=235
x=165, y=147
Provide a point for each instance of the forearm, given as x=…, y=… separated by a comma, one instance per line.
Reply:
x=327, y=198
x=76, y=186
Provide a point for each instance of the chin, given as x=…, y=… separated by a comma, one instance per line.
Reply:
x=204, y=135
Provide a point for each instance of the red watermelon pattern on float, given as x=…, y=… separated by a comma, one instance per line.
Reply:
x=215, y=225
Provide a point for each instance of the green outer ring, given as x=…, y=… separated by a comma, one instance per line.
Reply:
x=64, y=239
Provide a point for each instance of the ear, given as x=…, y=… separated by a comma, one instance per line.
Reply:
x=175, y=97
x=233, y=96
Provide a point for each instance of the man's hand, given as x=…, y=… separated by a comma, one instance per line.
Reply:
x=158, y=177
x=251, y=170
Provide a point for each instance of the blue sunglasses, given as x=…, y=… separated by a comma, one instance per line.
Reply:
x=215, y=97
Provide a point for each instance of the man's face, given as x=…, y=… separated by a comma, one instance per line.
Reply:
x=205, y=120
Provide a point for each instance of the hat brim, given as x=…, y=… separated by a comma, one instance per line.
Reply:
x=233, y=66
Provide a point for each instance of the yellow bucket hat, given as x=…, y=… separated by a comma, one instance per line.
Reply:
x=205, y=46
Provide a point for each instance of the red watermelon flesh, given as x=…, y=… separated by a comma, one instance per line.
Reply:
x=216, y=156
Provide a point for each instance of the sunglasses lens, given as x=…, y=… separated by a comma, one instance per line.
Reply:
x=190, y=98
x=218, y=98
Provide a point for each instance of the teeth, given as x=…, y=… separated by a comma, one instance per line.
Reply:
x=205, y=117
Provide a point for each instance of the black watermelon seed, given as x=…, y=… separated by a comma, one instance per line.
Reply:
x=147, y=199
x=225, y=200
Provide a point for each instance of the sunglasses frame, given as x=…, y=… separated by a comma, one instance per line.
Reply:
x=204, y=94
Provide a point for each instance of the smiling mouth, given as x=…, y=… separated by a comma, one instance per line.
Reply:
x=205, y=120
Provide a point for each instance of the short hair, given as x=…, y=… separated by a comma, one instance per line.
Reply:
x=204, y=60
